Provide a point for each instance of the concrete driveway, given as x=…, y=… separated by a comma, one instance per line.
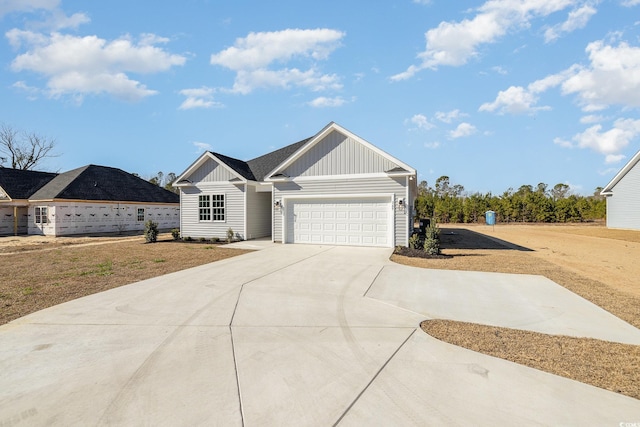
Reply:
x=299, y=335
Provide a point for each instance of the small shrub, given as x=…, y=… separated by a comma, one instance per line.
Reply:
x=150, y=231
x=202, y=239
x=215, y=239
x=432, y=240
x=230, y=235
x=175, y=233
x=188, y=239
x=414, y=242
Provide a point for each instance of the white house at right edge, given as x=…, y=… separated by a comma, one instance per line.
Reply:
x=334, y=188
x=623, y=197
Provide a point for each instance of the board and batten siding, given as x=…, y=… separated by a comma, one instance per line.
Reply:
x=211, y=171
x=326, y=188
x=337, y=154
x=623, y=206
x=191, y=226
x=258, y=213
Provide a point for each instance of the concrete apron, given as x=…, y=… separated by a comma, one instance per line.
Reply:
x=286, y=336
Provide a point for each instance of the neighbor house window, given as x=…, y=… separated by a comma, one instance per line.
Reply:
x=41, y=215
x=211, y=207
x=140, y=214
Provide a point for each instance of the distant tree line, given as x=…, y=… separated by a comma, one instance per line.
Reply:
x=447, y=203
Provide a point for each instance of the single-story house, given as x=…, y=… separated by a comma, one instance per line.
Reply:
x=333, y=188
x=88, y=200
x=623, y=197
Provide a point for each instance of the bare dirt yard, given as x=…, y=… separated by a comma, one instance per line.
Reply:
x=39, y=272
x=592, y=261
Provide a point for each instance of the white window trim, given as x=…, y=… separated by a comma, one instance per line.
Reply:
x=36, y=215
x=212, y=208
x=144, y=214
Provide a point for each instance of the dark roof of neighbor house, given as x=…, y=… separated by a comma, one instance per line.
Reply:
x=93, y=182
x=21, y=184
x=256, y=169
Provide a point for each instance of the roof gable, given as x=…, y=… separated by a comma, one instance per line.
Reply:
x=624, y=171
x=21, y=184
x=103, y=183
x=336, y=151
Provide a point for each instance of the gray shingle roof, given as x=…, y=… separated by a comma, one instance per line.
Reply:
x=256, y=169
x=94, y=182
x=21, y=184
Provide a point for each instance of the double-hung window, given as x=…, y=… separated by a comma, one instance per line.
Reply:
x=41, y=215
x=211, y=207
x=140, y=215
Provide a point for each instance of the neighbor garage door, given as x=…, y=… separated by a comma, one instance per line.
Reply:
x=357, y=222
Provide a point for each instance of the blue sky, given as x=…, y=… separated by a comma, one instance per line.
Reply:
x=493, y=94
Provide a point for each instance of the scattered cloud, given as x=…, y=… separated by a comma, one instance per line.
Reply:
x=450, y=116
x=78, y=66
x=419, y=121
x=515, y=100
x=251, y=57
x=432, y=145
x=578, y=18
x=201, y=147
x=455, y=43
x=629, y=3
x=498, y=69
x=9, y=6
x=324, y=102
x=613, y=77
x=614, y=158
x=423, y=2
x=609, y=142
x=198, y=98
x=463, y=129
x=590, y=119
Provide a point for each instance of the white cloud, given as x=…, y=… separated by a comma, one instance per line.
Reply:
x=450, y=116
x=515, y=100
x=498, y=69
x=578, y=18
x=251, y=57
x=201, y=147
x=563, y=142
x=629, y=3
x=613, y=77
x=609, y=142
x=590, y=119
x=432, y=145
x=454, y=43
x=324, y=102
x=198, y=98
x=614, y=158
x=249, y=80
x=9, y=6
x=420, y=121
x=463, y=129
x=77, y=66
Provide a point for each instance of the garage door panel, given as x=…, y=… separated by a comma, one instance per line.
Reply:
x=364, y=222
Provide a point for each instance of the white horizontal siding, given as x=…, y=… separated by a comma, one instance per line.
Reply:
x=337, y=154
x=191, y=226
x=360, y=186
x=623, y=207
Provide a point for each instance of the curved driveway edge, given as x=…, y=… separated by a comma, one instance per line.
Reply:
x=286, y=336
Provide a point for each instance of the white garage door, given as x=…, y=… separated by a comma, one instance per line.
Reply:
x=356, y=222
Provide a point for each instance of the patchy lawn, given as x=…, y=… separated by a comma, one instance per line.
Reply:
x=49, y=272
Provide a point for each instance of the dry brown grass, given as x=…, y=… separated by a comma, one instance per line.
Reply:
x=571, y=256
x=58, y=271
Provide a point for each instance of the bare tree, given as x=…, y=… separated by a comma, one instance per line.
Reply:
x=24, y=150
